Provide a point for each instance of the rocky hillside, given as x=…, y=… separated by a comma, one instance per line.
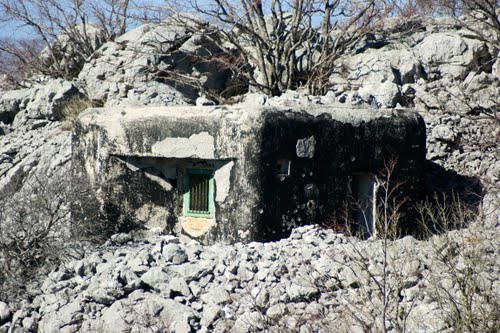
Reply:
x=315, y=281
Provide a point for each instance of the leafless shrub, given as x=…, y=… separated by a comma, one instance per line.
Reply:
x=385, y=209
x=37, y=221
x=384, y=275
x=465, y=264
x=481, y=16
x=267, y=309
x=143, y=318
x=442, y=214
x=460, y=255
x=341, y=221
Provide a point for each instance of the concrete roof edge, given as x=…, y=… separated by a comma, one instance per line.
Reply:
x=348, y=115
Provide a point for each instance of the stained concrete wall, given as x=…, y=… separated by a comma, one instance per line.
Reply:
x=139, y=156
x=318, y=186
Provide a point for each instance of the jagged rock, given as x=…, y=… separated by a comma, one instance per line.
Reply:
x=434, y=60
x=120, y=239
x=174, y=253
x=301, y=291
x=255, y=99
x=126, y=64
x=203, y=101
x=276, y=311
x=47, y=101
x=248, y=322
x=216, y=295
x=139, y=67
x=42, y=151
x=157, y=278
x=449, y=54
x=379, y=73
x=5, y=313
x=67, y=319
x=105, y=291
x=179, y=286
x=140, y=311
x=11, y=102
x=192, y=271
x=443, y=133
x=210, y=314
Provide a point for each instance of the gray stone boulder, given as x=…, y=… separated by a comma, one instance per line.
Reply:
x=5, y=312
x=66, y=319
x=142, y=311
x=150, y=65
x=43, y=152
x=123, y=67
x=451, y=55
x=32, y=142
x=438, y=65
x=47, y=101
x=379, y=73
x=120, y=239
x=105, y=291
x=174, y=253
x=217, y=295
x=179, y=287
x=443, y=133
x=42, y=101
x=192, y=271
x=11, y=102
x=157, y=279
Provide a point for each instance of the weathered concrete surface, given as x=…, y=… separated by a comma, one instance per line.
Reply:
x=199, y=145
x=141, y=157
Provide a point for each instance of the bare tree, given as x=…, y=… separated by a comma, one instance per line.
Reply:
x=405, y=8
x=280, y=44
x=68, y=31
x=16, y=60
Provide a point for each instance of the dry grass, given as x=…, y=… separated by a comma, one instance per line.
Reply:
x=71, y=110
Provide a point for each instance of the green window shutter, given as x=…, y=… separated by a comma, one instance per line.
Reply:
x=199, y=193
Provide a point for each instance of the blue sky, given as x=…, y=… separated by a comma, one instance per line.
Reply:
x=19, y=31
x=11, y=32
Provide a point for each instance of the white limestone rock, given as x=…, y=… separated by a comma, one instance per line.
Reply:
x=443, y=133
x=11, y=102
x=67, y=319
x=174, y=253
x=47, y=100
x=450, y=54
x=105, y=290
x=5, y=313
x=138, y=67
x=157, y=278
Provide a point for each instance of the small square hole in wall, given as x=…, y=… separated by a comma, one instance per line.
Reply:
x=283, y=167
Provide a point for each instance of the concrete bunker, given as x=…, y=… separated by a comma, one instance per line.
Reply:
x=242, y=173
